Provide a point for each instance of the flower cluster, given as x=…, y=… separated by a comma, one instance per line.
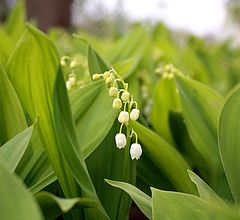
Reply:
x=124, y=102
x=167, y=72
x=72, y=81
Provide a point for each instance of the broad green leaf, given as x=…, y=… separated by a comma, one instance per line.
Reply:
x=126, y=67
x=12, y=151
x=173, y=205
x=6, y=46
x=142, y=200
x=45, y=180
x=146, y=175
x=92, y=101
x=166, y=157
x=12, y=119
x=108, y=162
x=205, y=192
x=201, y=107
x=95, y=62
x=34, y=163
x=34, y=167
x=131, y=45
x=15, y=24
x=43, y=94
x=15, y=201
x=53, y=206
x=165, y=100
x=229, y=141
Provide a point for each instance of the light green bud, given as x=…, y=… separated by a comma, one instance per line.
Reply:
x=125, y=96
x=95, y=76
x=117, y=103
x=113, y=91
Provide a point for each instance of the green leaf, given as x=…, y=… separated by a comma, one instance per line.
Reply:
x=12, y=151
x=205, y=192
x=173, y=205
x=34, y=167
x=34, y=164
x=131, y=45
x=6, y=46
x=142, y=200
x=92, y=101
x=126, y=67
x=53, y=206
x=43, y=94
x=201, y=107
x=229, y=141
x=15, y=24
x=15, y=201
x=12, y=120
x=166, y=157
x=165, y=100
x=45, y=180
x=95, y=62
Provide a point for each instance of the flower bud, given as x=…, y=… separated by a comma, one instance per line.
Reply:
x=135, y=151
x=123, y=117
x=117, y=103
x=73, y=64
x=95, y=76
x=121, y=140
x=134, y=114
x=108, y=80
x=125, y=96
x=68, y=85
x=113, y=91
x=106, y=75
x=63, y=62
x=72, y=80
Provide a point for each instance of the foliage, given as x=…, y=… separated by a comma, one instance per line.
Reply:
x=58, y=126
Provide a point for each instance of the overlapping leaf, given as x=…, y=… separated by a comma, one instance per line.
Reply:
x=15, y=201
x=43, y=94
x=229, y=141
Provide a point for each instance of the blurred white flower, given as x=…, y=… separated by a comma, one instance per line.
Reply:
x=134, y=114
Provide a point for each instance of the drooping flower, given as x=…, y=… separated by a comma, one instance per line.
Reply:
x=121, y=140
x=117, y=103
x=134, y=114
x=113, y=91
x=125, y=96
x=135, y=151
x=123, y=117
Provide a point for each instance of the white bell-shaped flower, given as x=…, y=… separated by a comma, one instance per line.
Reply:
x=134, y=114
x=121, y=140
x=123, y=117
x=135, y=151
